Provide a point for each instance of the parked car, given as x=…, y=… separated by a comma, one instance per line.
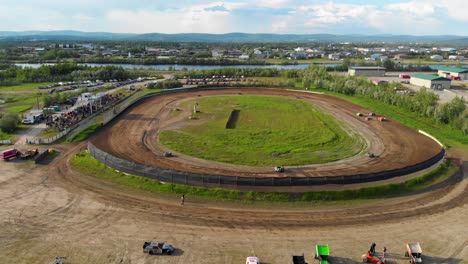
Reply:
x=27, y=121
x=154, y=248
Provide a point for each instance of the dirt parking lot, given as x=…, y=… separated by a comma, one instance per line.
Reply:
x=49, y=210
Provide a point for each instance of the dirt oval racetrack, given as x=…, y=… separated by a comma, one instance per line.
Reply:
x=133, y=136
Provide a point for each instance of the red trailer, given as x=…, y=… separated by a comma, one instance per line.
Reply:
x=9, y=154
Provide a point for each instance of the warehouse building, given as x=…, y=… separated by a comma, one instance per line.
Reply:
x=453, y=73
x=430, y=81
x=366, y=71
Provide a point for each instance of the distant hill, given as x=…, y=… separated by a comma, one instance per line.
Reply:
x=71, y=35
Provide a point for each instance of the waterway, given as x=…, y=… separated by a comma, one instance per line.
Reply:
x=179, y=67
x=209, y=67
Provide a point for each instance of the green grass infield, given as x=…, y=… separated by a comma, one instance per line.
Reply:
x=263, y=131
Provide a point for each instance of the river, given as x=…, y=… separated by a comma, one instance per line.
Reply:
x=209, y=67
x=180, y=67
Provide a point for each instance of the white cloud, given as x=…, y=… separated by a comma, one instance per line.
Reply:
x=456, y=9
x=331, y=13
x=174, y=21
x=417, y=8
x=273, y=3
x=216, y=16
x=280, y=25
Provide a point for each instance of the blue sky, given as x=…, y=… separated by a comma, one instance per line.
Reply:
x=429, y=17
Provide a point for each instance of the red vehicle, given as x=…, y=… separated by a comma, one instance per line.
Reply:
x=404, y=76
x=370, y=257
x=9, y=154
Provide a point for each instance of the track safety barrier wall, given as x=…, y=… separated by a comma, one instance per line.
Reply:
x=207, y=180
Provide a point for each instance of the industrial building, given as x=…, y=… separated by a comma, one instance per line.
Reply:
x=430, y=81
x=453, y=73
x=370, y=71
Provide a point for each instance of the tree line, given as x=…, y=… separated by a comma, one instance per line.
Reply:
x=423, y=102
x=239, y=72
x=172, y=60
x=61, y=72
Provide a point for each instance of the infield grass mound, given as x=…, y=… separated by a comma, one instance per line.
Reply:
x=269, y=131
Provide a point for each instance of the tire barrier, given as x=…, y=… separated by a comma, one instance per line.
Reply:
x=207, y=180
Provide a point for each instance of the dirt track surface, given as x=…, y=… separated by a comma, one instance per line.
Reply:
x=133, y=136
x=49, y=210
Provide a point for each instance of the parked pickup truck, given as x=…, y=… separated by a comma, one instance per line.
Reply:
x=154, y=248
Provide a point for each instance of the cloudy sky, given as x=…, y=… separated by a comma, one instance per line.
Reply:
x=429, y=17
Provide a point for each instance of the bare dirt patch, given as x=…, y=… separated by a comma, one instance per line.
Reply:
x=49, y=211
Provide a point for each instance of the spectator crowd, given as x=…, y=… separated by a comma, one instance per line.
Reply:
x=77, y=113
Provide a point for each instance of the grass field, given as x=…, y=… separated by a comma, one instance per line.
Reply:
x=19, y=102
x=270, y=131
x=84, y=163
x=445, y=133
x=5, y=135
x=18, y=108
x=23, y=87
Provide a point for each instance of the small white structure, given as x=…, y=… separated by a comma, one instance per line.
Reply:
x=371, y=71
x=437, y=58
x=244, y=57
x=430, y=81
x=456, y=57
